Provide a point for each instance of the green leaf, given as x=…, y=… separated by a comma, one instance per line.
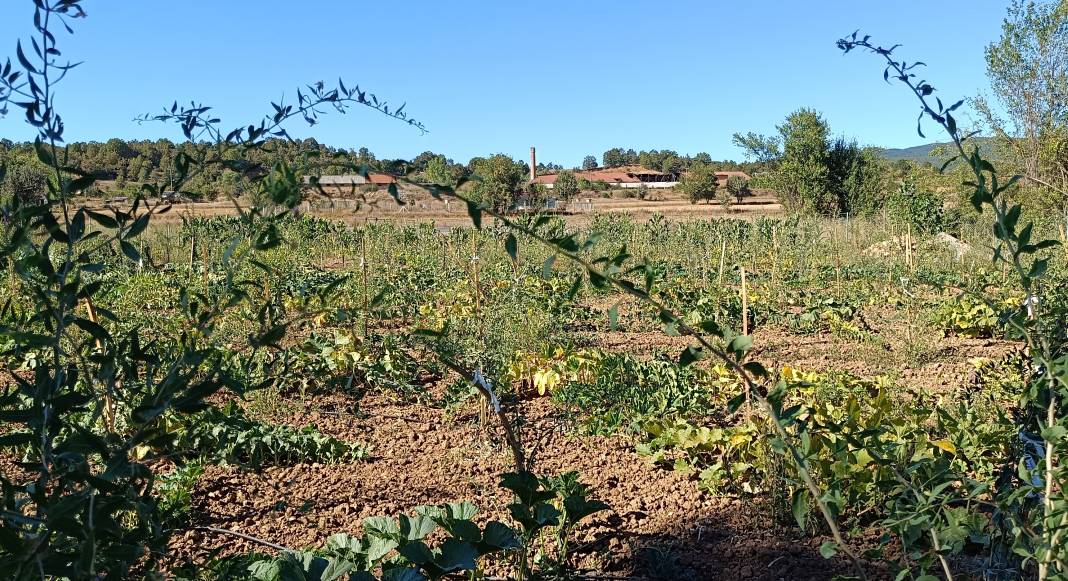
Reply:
x=511, y=245
x=755, y=369
x=1038, y=268
x=613, y=317
x=461, y=510
x=1054, y=433
x=547, y=267
x=103, y=219
x=381, y=526
x=711, y=327
x=379, y=547
x=417, y=552
x=800, y=507
x=130, y=252
x=740, y=345
x=456, y=556
x=80, y=183
x=94, y=329
x=335, y=569
x=690, y=355
x=828, y=549
x=416, y=527
x=500, y=536
x=475, y=212
x=399, y=574
x=546, y=514
x=138, y=226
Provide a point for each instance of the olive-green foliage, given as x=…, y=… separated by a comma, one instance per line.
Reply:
x=856, y=177
x=625, y=389
x=738, y=187
x=498, y=180
x=175, y=491
x=803, y=173
x=226, y=436
x=435, y=542
x=26, y=178
x=813, y=174
x=922, y=210
x=566, y=185
x=93, y=412
x=699, y=184
x=438, y=172
x=935, y=505
x=1027, y=67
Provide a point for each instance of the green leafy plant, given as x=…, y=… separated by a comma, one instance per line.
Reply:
x=923, y=211
x=968, y=317
x=396, y=549
x=175, y=490
x=554, y=504
x=930, y=496
x=99, y=392
x=224, y=435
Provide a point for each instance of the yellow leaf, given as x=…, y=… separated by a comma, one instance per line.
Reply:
x=946, y=445
x=787, y=372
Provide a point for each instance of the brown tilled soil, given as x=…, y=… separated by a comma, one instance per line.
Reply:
x=661, y=526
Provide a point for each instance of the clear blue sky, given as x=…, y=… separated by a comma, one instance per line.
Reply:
x=570, y=77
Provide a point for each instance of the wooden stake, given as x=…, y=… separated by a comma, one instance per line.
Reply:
x=109, y=402
x=722, y=258
x=704, y=267
x=483, y=412
x=192, y=249
x=838, y=271
x=908, y=246
x=745, y=305
x=363, y=271
x=774, y=254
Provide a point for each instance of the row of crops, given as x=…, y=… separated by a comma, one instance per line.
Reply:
x=333, y=309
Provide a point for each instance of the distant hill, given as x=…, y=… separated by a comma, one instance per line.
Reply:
x=922, y=153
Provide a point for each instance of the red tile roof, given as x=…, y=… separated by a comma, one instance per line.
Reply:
x=600, y=175
x=730, y=174
x=381, y=178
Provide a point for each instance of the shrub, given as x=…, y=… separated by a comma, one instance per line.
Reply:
x=738, y=187
x=699, y=183
x=566, y=186
x=922, y=210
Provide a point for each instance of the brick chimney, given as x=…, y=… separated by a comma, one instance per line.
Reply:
x=533, y=164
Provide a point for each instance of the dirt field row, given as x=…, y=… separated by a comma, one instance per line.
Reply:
x=423, y=208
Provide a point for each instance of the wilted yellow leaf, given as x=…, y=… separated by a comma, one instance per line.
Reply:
x=946, y=445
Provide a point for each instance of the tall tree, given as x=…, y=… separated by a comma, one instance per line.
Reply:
x=762, y=148
x=802, y=177
x=589, y=162
x=699, y=183
x=1028, y=72
x=738, y=187
x=566, y=185
x=855, y=177
x=498, y=178
x=614, y=157
x=437, y=171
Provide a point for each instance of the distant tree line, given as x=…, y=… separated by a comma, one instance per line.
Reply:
x=132, y=163
x=496, y=180
x=669, y=161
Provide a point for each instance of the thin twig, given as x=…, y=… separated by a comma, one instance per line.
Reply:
x=258, y=540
